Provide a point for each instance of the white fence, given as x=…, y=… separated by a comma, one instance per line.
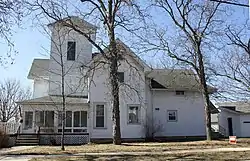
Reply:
x=9, y=127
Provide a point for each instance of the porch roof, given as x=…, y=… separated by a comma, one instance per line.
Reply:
x=55, y=100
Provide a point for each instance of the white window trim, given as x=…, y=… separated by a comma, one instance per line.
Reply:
x=44, y=117
x=139, y=114
x=80, y=119
x=94, y=115
x=75, y=50
x=72, y=119
x=175, y=116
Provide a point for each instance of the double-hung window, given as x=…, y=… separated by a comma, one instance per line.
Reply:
x=99, y=116
x=120, y=77
x=68, y=118
x=133, y=114
x=71, y=50
x=45, y=118
x=172, y=115
x=80, y=119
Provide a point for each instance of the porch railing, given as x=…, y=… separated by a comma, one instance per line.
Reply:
x=222, y=130
x=46, y=129
x=9, y=127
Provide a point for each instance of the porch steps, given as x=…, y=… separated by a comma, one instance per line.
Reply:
x=27, y=140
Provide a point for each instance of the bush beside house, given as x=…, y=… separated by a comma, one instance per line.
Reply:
x=4, y=139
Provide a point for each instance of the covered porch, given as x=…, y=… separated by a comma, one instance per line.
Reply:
x=44, y=115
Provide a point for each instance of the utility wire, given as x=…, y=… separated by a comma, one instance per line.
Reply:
x=233, y=3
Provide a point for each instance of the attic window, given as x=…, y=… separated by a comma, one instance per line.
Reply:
x=120, y=77
x=179, y=93
x=71, y=50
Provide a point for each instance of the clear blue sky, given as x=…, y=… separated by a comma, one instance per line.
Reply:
x=29, y=43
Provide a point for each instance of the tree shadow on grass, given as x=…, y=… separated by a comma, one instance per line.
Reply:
x=144, y=157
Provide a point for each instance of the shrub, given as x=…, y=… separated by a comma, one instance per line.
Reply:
x=4, y=139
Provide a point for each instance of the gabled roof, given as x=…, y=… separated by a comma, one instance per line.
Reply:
x=39, y=68
x=128, y=52
x=176, y=79
x=54, y=100
x=131, y=54
x=240, y=107
x=75, y=20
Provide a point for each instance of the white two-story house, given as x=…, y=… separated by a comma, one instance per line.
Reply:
x=153, y=102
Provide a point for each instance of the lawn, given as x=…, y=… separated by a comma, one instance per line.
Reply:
x=216, y=156
x=132, y=147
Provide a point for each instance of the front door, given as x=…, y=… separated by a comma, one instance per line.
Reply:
x=230, y=126
x=28, y=122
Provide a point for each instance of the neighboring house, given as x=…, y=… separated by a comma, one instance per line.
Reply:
x=153, y=102
x=234, y=119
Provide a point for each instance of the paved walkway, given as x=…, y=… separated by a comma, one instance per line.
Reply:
x=28, y=157
x=4, y=151
x=14, y=148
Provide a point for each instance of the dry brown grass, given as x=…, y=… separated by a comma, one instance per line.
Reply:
x=131, y=147
x=216, y=156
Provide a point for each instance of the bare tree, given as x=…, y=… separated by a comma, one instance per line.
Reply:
x=234, y=66
x=111, y=14
x=189, y=41
x=11, y=13
x=66, y=72
x=10, y=93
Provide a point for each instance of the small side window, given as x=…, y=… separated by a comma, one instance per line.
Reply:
x=172, y=115
x=179, y=93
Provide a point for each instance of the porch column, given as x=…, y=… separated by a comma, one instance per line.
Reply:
x=34, y=121
x=56, y=121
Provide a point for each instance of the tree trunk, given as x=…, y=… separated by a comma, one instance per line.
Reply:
x=63, y=104
x=115, y=92
x=116, y=110
x=63, y=124
x=205, y=95
x=4, y=112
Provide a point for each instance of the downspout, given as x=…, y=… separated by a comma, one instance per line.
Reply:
x=152, y=109
x=90, y=113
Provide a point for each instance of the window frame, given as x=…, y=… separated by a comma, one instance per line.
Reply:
x=104, y=116
x=179, y=93
x=80, y=119
x=69, y=51
x=72, y=128
x=118, y=75
x=139, y=114
x=176, y=115
x=44, y=118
